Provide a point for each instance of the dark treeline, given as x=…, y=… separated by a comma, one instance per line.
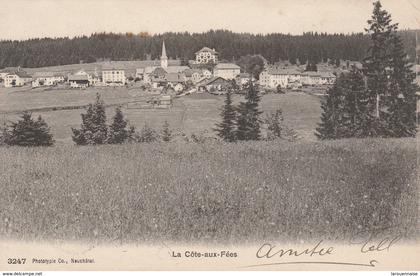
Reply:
x=274, y=47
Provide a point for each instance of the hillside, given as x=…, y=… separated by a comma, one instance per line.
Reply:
x=103, y=46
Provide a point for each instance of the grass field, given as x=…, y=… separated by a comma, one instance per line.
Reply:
x=190, y=114
x=209, y=192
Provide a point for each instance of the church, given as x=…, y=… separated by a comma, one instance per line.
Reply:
x=158, y=73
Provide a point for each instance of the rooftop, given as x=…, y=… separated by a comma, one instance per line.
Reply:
x=227, y=66
x=207, y=49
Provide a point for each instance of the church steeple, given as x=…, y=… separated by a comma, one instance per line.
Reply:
x=163, y=57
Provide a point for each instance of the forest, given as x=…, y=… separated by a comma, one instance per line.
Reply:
x=311, y=46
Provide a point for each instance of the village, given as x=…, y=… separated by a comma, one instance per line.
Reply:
x=204, y=74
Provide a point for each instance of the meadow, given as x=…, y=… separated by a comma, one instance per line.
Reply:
x=193, y=114
x=210, y=192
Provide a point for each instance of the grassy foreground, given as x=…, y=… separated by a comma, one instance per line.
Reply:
x=209, y=192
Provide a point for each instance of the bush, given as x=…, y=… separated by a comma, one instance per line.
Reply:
x=27, y=132
x=147, y=135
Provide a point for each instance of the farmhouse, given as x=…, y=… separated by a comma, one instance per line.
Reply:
x=17, y=78
x=228, y=71
x=78, y=81
x=46, y=79
x=206, y=55
x=113, y=76
x=214, y=84
x=8, y=70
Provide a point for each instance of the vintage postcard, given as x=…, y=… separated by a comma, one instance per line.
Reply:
x=209, y=135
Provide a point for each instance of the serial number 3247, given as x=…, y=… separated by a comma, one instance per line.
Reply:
x=16, y=261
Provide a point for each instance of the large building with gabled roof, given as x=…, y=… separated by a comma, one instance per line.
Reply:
x=206, y=55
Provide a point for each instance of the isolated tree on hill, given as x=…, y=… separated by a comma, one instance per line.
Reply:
x=166, y=132
x=248, y=118
x=119, y=131
x=28, y=132
x=93, y=129
x=226, y=129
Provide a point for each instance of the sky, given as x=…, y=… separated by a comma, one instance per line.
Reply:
x=23, y=19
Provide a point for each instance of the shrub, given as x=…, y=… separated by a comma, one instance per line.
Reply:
x=28, y=132
x=166, y=132
x=147, y=135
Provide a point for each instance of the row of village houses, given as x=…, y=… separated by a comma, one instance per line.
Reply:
x=164, y=73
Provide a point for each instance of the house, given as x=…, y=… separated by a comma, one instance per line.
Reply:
x=327, y=78
x=8, y=70
x=206, y=55
x=139, y=73
x=78, y=81
x=81, y=79
x=147, y=73
x=176, y=81
x=17, y=78
x=228, y=71
x=283, y=77
x=214, y=84
x=113, y=76
x=46, y=79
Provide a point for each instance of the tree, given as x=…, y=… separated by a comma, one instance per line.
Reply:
x=277, y=129
x=28, y=132
x=376, y=66
x=226, y=128
x=166, y=132
x=355, y=113
x=332, y=110
x=389, y=79
x=93, y=129
x=252, y=64
x=401, y=98
x=119, y=131
x=248, y=119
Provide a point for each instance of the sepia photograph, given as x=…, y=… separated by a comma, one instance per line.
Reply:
x=209, y=135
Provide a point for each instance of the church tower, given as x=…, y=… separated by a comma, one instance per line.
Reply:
x=163, y=57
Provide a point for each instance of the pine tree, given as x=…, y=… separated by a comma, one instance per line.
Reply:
x=119, y=132
x=248, y=119
x=166, y=132
x=356, y=115
x=226, y=128
x=376, y=68
x=93, y=129
x=401, y=99
x=332, y=111
x=29, y=133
